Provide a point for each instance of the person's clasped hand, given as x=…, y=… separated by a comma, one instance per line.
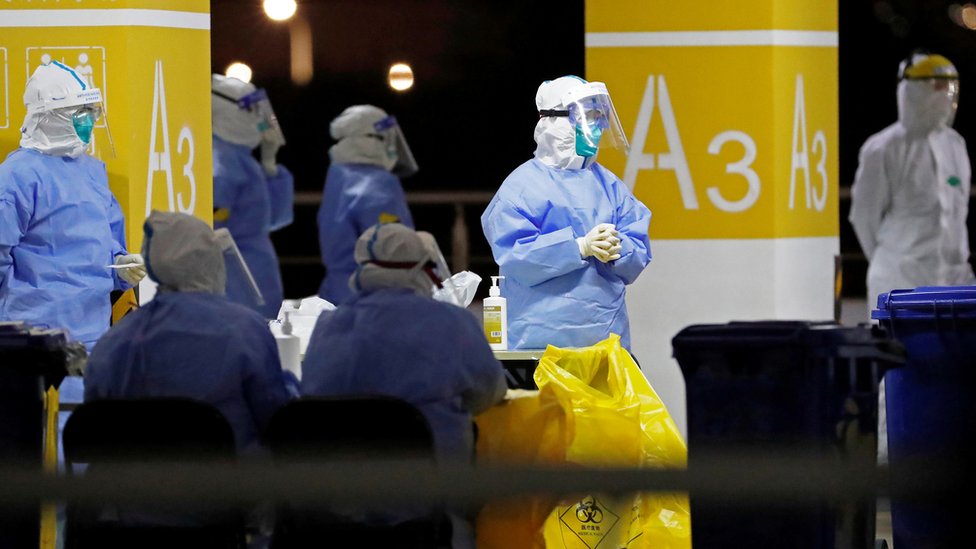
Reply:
x=601, y=242
x=133, y=274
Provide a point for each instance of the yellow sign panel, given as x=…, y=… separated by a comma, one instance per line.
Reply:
x=727, y=142
x=152, y=63
x=162, y=5
x=731, y=112
x=730, y=15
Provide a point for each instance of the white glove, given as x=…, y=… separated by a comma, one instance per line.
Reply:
x=269, y=153
x=601, y=242
x=132, y=274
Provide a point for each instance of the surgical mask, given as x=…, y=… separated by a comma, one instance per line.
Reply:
x=587, y=143
x=83, y=121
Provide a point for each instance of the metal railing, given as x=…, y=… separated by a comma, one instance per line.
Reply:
x=460, y=234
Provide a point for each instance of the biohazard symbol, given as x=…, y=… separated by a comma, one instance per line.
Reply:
x=587, y=510
x=588, y=520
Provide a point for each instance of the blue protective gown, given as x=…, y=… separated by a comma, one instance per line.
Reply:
x=554, y=296
x=394, y=342
x=60, y=227
x=195, y=345
x=356, y=197
x=251, y=205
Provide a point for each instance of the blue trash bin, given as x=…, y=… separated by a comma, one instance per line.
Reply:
x=782, y=388
x=931, y=403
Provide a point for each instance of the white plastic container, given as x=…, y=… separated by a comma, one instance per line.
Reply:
x=289, y=348
x=495, y=311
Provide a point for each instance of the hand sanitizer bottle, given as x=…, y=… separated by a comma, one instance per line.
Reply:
x=495, y=310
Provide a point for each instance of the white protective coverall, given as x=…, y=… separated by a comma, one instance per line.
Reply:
x=911, y=192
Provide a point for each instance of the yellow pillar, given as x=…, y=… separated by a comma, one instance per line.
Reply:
x=151, y=59
x=731, y=112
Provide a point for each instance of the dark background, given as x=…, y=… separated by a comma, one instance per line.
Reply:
x=477, y=63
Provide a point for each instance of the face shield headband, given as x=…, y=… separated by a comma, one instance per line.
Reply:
x=427, y=265
x=258, y=104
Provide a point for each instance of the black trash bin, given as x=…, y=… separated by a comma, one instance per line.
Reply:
x=778, y=388
x=31, y=360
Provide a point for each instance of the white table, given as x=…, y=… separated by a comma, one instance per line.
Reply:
x=519, y=366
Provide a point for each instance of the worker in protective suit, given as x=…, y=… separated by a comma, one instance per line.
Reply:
x=251, y=199
x=61, y=229
x=372, y=343
x=362, y=188
x=190, y=340
x=393, y=339
x=567, y=234
x=910, y=195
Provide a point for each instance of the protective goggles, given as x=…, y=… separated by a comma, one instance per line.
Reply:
x=258, y=104
x=388, y=131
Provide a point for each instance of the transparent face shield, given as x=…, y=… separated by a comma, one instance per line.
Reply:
x=258, y=104
x=83, y=111
x=234, y=261
x=388, y=131
x=949, y=89
x=929, y=101
x=447, y=290
x=936, y=82
x=594, y=120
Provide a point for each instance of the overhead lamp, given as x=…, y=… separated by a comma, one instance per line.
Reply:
x=239, y=71
x=400, y=77
x=280, y=10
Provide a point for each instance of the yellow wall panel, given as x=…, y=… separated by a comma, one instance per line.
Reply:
x=666, y=15
x=732, y=123
x=153, y=68
x=167, y=5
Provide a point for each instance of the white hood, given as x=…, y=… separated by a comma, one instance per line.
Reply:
x=554, y=135
x=52, y=90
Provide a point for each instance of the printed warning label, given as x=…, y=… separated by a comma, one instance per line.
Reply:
x=588, y=520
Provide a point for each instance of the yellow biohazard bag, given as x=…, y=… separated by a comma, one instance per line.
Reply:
x=594, y=408
x=522, y=430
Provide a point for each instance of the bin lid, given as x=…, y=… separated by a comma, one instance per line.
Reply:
x=926, y=302
x=20, y=335
x=801, y=333
x=814, y=339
